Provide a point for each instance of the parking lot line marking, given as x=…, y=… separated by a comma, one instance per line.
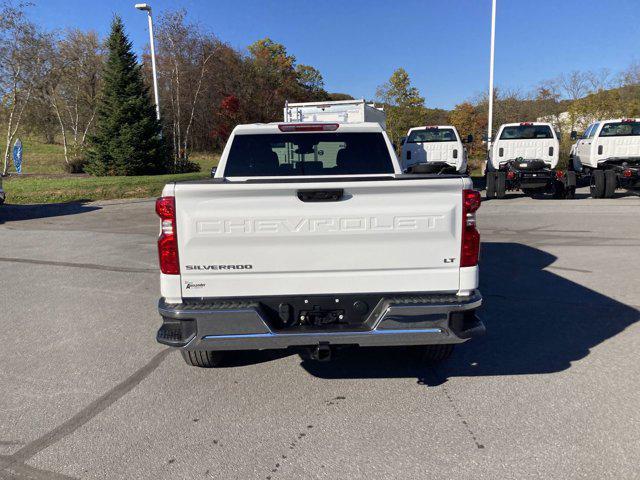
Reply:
x=91, y=266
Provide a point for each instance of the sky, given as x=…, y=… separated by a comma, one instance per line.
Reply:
x=357, y=44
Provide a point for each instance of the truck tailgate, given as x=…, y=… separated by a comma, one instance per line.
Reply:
x=618, y=147
x=260, y=239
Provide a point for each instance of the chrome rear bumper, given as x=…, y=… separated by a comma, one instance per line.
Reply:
x=415, y=319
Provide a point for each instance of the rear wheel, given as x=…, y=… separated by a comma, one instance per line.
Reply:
x=559, y=190
x=202, y=358
x=597, y=184
x=501, y=184
x=610, y=183
x=491, y=185
x=570, y=193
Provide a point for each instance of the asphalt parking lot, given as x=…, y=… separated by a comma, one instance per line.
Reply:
x=551, y=392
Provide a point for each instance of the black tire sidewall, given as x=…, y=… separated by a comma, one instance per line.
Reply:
x=501, y=184
x=597, y=184
x=610, y=183
x=491, y=185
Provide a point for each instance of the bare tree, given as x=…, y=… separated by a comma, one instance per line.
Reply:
x=71, y=89
x=22, y=66
x=630, y=76
x=185, y=59
x=599, y=80
x=574, y=85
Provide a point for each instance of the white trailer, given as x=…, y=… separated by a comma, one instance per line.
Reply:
x=340, y=111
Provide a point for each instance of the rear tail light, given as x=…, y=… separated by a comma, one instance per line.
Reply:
x=526, y=124
x=627, y=173
x=168, y=240
x=470, y=235
x=308, y=127
x=559, y=174
x=511, y=175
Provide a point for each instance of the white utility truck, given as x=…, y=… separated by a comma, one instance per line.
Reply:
x=609, y=154
x=524, y=157
x=310, y=236
x=434, y=149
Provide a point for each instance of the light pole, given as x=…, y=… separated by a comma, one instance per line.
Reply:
x=147, y=8
x=491, y=59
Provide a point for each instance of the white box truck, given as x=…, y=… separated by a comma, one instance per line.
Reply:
x=340, y=111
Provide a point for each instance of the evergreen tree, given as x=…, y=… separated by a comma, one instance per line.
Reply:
x=128, y=137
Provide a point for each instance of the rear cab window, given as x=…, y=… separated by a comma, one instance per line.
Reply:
x=620, y=129
x=526, y=132
x=299, y=154
x=429, y=135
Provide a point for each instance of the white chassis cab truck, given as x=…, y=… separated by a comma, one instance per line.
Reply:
x=434, y=149
x=608, y=153
x=310, y=236
x=524, y=156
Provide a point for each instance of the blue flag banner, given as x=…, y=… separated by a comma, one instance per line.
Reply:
x=17, y=155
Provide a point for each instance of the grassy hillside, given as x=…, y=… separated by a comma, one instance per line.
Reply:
x=74, y=189
x=39, y=157
x=45, y=179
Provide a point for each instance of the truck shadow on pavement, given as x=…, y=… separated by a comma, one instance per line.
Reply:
x=537, y=322
x=16, y=213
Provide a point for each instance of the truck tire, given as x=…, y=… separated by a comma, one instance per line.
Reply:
x=501, y=184
x=597, y=184
x=559, y=190
x=610, y=183
x=202, y=358
x=491, y=185
x=570, y=193
x=436, y=353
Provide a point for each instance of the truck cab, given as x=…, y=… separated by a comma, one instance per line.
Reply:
x=608, y=153
x=309, y=236
x=523, y=157
x=434, y=149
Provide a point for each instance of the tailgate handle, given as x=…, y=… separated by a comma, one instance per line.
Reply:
x=332, y=195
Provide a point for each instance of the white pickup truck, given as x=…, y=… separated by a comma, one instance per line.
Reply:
x=524, y=157
x=309, y=235
x=609, y=154
x=434, y=149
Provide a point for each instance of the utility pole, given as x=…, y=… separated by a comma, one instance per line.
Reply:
x=491, y=62
x=147, y=8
